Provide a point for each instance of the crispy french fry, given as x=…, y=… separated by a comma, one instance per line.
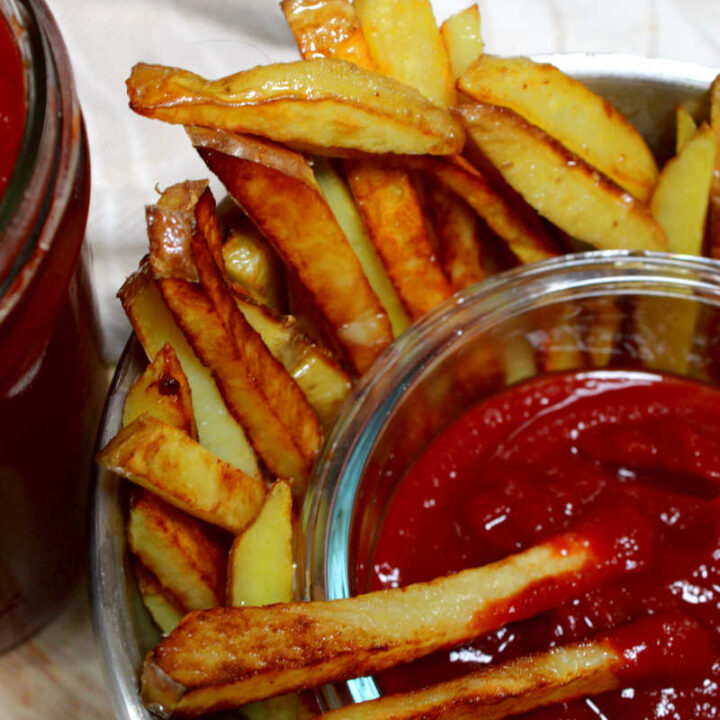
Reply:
x=685, y=127
x=278, y=191
x=558, y=675
x=163, y=391
x=462, y=38
x=323, y=106
x=341, y=203
x=522, y=232
x=568, y=111
x=460, y=250
x=388, y=203
x=260, y=566
x=386, y=198
x=394, y=30
x=178, y=550
x=166, y=611
x=665, y=332
x=583, y=202
x=259, y=652
x=154, y=326
x=166, y=461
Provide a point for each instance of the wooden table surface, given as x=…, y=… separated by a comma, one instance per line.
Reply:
x=57, y=675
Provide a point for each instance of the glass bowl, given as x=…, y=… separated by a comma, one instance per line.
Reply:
x=443, y=362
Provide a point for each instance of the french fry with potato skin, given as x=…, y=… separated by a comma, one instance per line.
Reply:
x=169, y=463
x=154, y=326
x=279, y=193
x=257, y=652
x=385, y=197
x=555, y=676
x=323, y=106
x=583, y=202
x=568, y=111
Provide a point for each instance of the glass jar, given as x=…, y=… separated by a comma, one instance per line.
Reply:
x=536, y=319
x=51, y=375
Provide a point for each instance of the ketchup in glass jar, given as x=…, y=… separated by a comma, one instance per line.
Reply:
x=51, y=375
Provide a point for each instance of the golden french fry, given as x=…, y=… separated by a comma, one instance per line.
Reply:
x=520, y=229
x=223, y=657
x=460, y=251
x=568, y=111
x=394, y=31
x=685, y=127
x=278, y=191
x=179, y=551
x=260, y=566
x=555, y=676
x=341, y=203
x=169, y=463
x=583, y=202
x=163, y=391
x=154, y=326
x=166, y=611
x=462, y=38
x=324, y=106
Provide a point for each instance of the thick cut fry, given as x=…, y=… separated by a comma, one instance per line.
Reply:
x=394, y=31
x=685, y=127
x=346, y=213
x=713, y=224
x=462, y=38
x=568, y=111
x=258, y=652
x=288, y=208
x=460, y=250
x=166, y=611
x=154, y=326
x=164, y=392
x=260, y=566
x=522, y=231
x=665, y=332
x=558, y=675
x=179, y=551
x=560, y=185
x=324, y=106
x=166, y=461
x=327, y=29
x=388, y=203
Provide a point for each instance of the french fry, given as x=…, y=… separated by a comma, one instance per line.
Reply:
x=462, y=38
x=680, y=203
x=460, y=249
x=522, y=232
x=178, y=550
x=169, y=463
x=394, y=30
x=163, y=391
x=386, y=197
x=166, y=611
x=601, y=325
x=154, y=326
x=323, y=106
x=583, y=202
x=519, y=359
x=685, y=127
x=561, y=347
x=558, y=675
x=346, y=213
x=260, y=566
x=713, y=223
x=259, y=652
x=568, y=111
x=288, y=208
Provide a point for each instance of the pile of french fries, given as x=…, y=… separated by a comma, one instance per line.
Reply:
x=366, y=184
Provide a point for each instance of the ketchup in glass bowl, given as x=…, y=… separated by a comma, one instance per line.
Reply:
x=51, y=374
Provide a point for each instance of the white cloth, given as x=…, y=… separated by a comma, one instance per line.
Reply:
x=130, y=155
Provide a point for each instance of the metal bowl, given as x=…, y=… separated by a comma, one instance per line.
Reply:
x=645, y=90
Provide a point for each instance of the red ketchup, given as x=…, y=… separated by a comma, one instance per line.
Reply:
x=12, y=103
x=561, y=453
